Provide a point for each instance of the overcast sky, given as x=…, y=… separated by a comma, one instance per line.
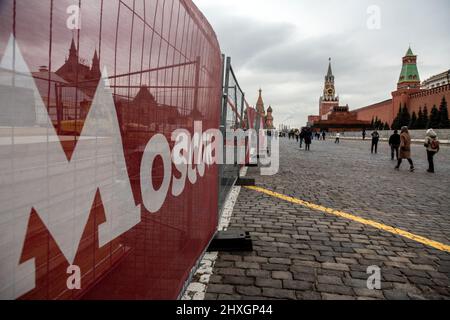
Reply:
x=284, y=45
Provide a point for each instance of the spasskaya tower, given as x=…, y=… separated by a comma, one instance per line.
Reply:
x=329, y=99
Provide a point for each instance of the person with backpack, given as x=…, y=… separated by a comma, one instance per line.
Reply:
x=432, y=145
x=375, y=140
x=394, y=142
x=405, y=149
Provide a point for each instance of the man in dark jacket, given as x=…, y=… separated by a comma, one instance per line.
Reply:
x=308, y=139
x=375, y=140
x=394, y=142
x=302, y=137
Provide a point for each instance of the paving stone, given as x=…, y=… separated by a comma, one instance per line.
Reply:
x=396, y=295
x=238, y=280
x=247, y=265
x=227, y=257
x=275, y=267
x=280, y=261
x=248, y=290
x=308, y=295
x=269, y=283
x=279, y=293
x=335, y=266
x=308, y=277
x=377, y=294
x=224, y=264
x=422, y=267
x=394, y=278
x=256, y=259
x=328, y=288
x=282, y=275
x=297, y=285
x=230, y=271
x=330, y=280
x=220, y=289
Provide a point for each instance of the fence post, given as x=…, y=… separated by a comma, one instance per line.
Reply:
x=197, y=82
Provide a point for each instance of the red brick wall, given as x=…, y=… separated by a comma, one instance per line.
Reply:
x=382, y=110
x=429, y=98
x=387, y=110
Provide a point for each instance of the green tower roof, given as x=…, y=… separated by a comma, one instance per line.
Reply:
x=409, y=53
x=409, y=73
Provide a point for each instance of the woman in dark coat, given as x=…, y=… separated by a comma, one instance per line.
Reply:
x=405, y=149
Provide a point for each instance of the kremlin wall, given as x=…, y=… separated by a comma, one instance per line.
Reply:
x=410, y=92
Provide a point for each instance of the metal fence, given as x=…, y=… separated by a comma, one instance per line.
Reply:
x=83, y=109
x=231, y=114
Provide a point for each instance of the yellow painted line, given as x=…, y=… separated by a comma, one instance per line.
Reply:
x=348, y=216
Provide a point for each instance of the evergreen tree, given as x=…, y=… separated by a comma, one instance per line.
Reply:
x=426, y=118
x=434, y=118
x=372, y=124
x=386, y=126
x=444, y=122
x=413, y=122
x=405, y=117
x=420, y=124
x=396, y=122
x=377, y=123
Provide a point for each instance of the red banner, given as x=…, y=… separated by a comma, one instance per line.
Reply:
x=92, y=204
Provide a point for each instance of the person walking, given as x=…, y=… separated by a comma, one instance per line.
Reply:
x=364, y=134
x=297, y=135
x=338, y=138
x=308, y=139
x=405, y=149
x=302, y=137
x=394, y=142
x=375, y=140
x=324, y=135
x=432, y=145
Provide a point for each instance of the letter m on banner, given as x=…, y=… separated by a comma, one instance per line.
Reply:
x=36, y=174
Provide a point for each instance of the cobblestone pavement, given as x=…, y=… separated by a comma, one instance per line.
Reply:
x=300, y=253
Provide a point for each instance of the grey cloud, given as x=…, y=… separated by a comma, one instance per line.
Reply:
x=244, y=38
x=290, y=66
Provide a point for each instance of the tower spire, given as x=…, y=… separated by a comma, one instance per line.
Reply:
x=330, y=71
x=73, y=47
x=73, y=55
x=260, y=104
x=95, y=68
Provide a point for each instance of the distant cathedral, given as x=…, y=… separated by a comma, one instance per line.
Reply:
x=268, y=118
x=74, y=71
